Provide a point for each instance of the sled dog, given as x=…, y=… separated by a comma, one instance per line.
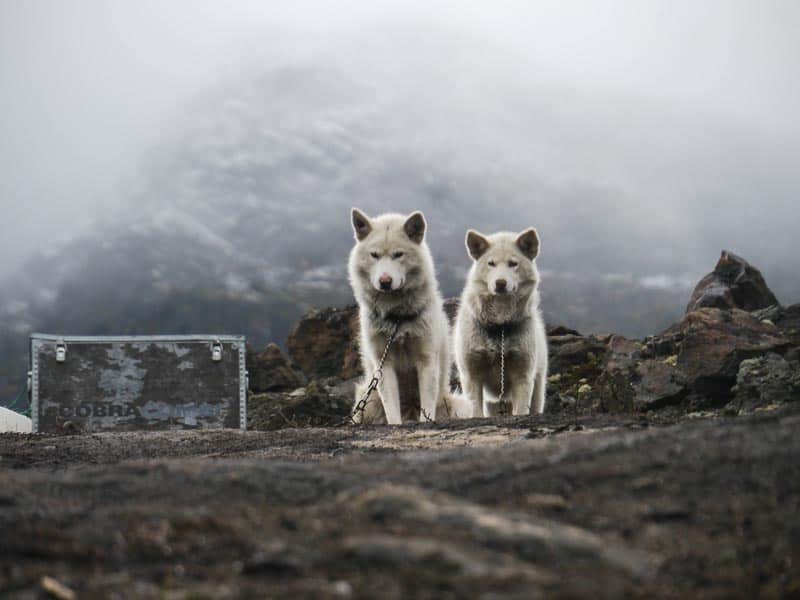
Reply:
x=499, y=313
x=393, y=279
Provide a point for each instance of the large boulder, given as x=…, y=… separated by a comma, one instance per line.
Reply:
x=324, y=343
x=272, y=371
x=711, y=343
x=734, y=283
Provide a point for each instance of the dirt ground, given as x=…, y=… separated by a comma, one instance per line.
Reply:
x=526, y=507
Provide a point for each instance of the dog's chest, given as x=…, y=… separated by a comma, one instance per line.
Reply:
x=485, y=356
x=406, y=353
x=405, y=357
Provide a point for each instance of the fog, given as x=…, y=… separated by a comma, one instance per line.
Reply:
x=684, y=113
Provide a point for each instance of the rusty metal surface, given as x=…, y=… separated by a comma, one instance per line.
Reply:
x=137, y=383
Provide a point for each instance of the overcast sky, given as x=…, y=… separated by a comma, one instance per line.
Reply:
x=87, y=86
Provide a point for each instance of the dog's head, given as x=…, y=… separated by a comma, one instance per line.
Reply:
x=505, y=263
x=390, y=250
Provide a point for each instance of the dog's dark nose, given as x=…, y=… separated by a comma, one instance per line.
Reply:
x=500, y=285
x=386, y=281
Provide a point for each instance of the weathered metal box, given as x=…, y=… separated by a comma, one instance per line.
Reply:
x=127, y=383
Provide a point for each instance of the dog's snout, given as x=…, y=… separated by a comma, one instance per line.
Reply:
x=501, y=285
x=386, y=281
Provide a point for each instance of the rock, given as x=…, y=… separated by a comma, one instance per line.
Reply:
x=318, y=407
x=575, y=360
x=272, y=371
x=559, y=330
x=766, y=381
x=56, y=589
x=734, y=283
x=711, y=344
x=786, y=319
x=324, y=343
x=632, y=380
x=614, y=389
x=657, y=384
x=698, y=357
x=574, y=350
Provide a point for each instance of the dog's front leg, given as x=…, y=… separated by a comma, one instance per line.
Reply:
x=429, y=391
x=390, y=396
x=539, y=393
x=521, y=393
x=473, y=388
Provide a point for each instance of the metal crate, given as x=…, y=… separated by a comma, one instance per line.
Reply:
x=134, y=383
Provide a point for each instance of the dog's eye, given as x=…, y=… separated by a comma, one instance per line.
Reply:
x=492, y=263
x=374, y=255
x=397, y=254
x=512, y=263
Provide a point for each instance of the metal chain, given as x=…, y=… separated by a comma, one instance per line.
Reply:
x=503, y=410
x=377, y=377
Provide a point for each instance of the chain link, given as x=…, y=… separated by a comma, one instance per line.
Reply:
x=377, y=377
x=503, y=405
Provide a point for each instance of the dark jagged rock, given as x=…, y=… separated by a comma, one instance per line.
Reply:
x=785, y=318
x=559, y=330
x=324, y=343
x=734, y=283
x=697, y=358
x=272, y=371
x=766, y=381
x=712, y=343
x=576, y=361
x=633, y=382
x=613, y=387
x=574, y=350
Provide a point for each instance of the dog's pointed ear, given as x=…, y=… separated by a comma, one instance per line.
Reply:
x=528, y=243
x=415, y=227
x=361, y=224
x=477, y=244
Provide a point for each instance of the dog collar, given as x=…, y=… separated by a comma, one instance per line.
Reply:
x=401, y=318
x=495, y=330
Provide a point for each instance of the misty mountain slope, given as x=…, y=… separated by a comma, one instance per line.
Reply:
x=238, y=221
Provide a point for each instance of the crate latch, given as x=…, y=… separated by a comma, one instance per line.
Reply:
x=61, y=351
x=216, y=351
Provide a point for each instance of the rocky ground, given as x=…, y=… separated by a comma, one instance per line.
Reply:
x=664, y=467
x=517, y=507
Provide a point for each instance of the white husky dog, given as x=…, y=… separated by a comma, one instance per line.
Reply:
x=391, y=271
x=499, y=310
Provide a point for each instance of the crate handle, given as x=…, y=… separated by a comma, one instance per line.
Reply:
x=216, y=351
x=61, y=351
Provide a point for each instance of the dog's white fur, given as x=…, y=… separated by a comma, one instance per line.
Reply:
x=416, y=374
x=512, y=306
